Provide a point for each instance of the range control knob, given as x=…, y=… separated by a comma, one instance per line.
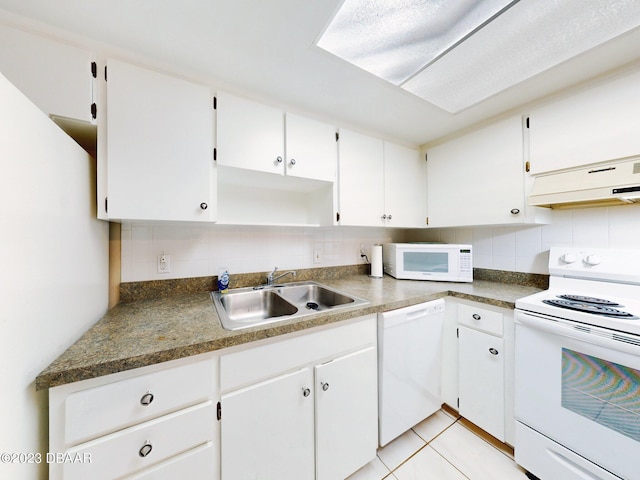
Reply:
x=568, y=258
x=592, y=260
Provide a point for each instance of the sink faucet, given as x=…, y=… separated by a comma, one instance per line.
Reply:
x=271, y=278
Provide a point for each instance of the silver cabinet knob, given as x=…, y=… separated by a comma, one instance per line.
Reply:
x=306, y=392
x=145, y=449
x=278, y=160
x=493, y=351
x=475, y=316
x=292, y=162
x=515, y=211
x=384, y=217
x=389, y=217
x=325, y=386
x=204, y=206
x=146, y=399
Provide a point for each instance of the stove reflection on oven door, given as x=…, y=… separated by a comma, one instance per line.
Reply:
x=577, y=400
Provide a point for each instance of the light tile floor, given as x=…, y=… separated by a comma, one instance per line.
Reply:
x=443, y=447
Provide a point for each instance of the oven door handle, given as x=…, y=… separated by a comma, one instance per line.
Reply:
x=575, y=332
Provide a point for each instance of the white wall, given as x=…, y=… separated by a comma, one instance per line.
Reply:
x=198, y=251
x=525, y=249
x=54, y=275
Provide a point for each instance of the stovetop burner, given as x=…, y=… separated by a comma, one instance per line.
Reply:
x=595, y=300
x=584, y=305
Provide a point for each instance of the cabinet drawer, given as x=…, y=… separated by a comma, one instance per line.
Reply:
x=108, y=408
x=120, y=453
x=481, y=319
x=196, y=464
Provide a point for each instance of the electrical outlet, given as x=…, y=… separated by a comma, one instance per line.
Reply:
x=164, y=263
x=317, y=256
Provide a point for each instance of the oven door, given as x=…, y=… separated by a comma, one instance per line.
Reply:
x=580, y=387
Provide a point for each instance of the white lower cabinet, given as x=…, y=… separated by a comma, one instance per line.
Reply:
x=481, y=380
x=144, y=423
x=485, y=368
x=301, y=408
x=346, y=413
x=267, y=429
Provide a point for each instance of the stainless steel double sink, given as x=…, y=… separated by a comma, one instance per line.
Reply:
x=252, y=306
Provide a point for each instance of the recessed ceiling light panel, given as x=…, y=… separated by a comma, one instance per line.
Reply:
x=393, y=39
x=456, y=53
x=526, y=40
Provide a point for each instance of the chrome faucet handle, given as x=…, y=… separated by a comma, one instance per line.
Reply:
x=270, y=276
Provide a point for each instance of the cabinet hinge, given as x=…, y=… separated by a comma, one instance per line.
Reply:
x=527, y=166
x=426, y=157
x=337, y=216
x=458, y=402
x=219, y=411
x=527, y=122
x=105, y=73
x=94, y=69
x=106, y=204
x=94, y=111
x=457, y=333
x=427, y=220
x=337, y=136
x=215, y=154
x=215, y=103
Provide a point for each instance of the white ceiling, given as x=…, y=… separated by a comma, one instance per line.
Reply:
x=265, y=48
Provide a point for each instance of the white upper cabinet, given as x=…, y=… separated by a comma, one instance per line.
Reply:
x=480, y=178
x=380, y=183
x=405, y=186
x=597, y=124
x=254, y=140
x=159, y=147
x=250, y=135
x=360, y=179
x=54, y=75
x=261, y=138
x=310, y=148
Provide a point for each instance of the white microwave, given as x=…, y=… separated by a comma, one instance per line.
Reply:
x=441, y=262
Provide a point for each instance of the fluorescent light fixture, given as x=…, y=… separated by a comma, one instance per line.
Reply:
x=456, y=53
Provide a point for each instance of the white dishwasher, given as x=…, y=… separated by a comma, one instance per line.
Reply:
x=409, y=367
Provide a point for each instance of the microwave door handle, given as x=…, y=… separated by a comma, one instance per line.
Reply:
x=568, y=331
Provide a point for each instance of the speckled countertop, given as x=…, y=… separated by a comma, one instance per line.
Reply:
x=146, y=332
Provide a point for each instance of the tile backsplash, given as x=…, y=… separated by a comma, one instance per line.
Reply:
x=198, y=251
x=526, y=248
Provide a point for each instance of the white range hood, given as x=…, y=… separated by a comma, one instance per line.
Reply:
x=612, y=183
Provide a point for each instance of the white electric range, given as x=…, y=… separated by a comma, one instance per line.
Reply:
x=578, y=368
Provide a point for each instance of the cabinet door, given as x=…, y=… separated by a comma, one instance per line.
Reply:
x=250, y=135
x=54, y=75
x=481, y=380
x=267, y=429
x=478, y=179
x=159, y=146
x=311, y=149
x=594, y=125
x=346, y=414
x=361, y=179
x=405, y=186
